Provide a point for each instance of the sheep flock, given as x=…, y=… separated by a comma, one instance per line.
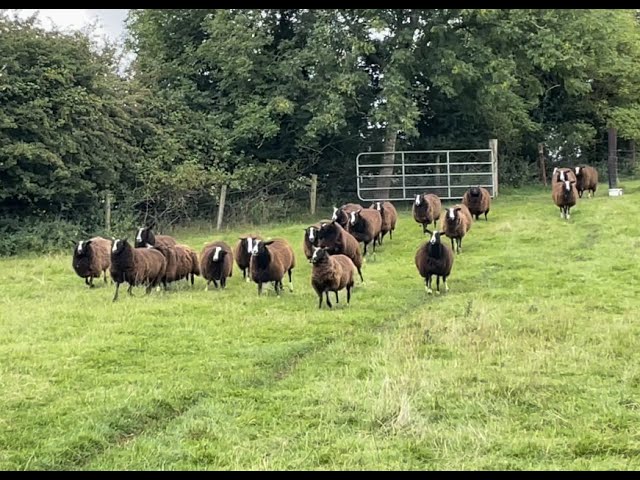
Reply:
x=332, y=246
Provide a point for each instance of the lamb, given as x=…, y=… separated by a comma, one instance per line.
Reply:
x=456, y=223
x=331, y=273
x=216, y=263
x=182, y=262
x=136, y=266
x=311, y=238
x=365, y=225
x=587, y=179
x=434, y=258
x=389, y=216
x=338, y=241
x=242, y=253
x=426, y=209
x=565, y=196
x=269, y=262
x=145, y=236
x=92, y=258
x=478, y=201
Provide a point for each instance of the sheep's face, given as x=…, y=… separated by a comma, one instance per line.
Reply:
x=118, y=246
x=218, y=255
x=577, y=171
x=474, y=191
x=334, y=217
x=453, y=214
x=319, y=255
x=247, y=244
x=311, y=234
x=354, y=217
x=435, y=237
x=566, y=190
x=81, y=249
x=145, y=236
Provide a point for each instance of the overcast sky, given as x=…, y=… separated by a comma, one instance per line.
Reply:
x=111, y=21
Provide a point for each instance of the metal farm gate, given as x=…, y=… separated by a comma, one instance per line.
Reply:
x=447, y=173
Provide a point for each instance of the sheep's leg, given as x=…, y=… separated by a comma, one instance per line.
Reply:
x=459, y=241
x=105, y=276
x=444, y=282
x=568, y=214
x=360, y=273
x=336, y=292
x=129, y=290
x=428, y=282
x=485, y=216
x=452, y=244
x=391, y=234
x=349, y=293
x=246, y=276
x=290, y=281
x=215, y=283
x=259, y=288
x=115, y=297
x=580, y=193
x=561, y=212
x=206, y=287
x=319, y=299
x=192, y=278
x=86, y=280
x=328, y=301
x=438, y=283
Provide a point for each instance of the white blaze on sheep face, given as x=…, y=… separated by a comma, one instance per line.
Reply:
x=80, y=246
x=249, y=245
x=378, y=207
x=577, y=170
x=353, y=218
x=311, y=234
x=115, y=245
x=567, y=186
x=315, y=253
x=335, y=214
x=433, y=239
x=139, y=236
x=452, y=215
x=417, y=200
x=216, y=255
x=562, y=176
x=254, y=251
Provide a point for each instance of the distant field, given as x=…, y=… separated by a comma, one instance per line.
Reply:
x=531, y=361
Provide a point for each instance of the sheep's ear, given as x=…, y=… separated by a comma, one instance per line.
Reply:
x=73, y=242
x=88, y=242
x=457, y=209
x=268, y=242
x=428, y=231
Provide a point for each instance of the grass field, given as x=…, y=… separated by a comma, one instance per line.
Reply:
x=531, y=361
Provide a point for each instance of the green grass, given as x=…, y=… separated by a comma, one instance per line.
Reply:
x=529, y=362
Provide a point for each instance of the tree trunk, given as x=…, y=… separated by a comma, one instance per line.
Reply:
x=391, y=135
x=612, y=163
x=543, y=168
x=633, y=155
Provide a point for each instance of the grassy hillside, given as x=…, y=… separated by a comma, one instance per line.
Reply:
x=529, y=362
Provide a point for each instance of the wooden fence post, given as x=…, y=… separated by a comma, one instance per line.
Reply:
x=314, y=193
x=612, y=163
x=223, y=197
x=493, y=145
